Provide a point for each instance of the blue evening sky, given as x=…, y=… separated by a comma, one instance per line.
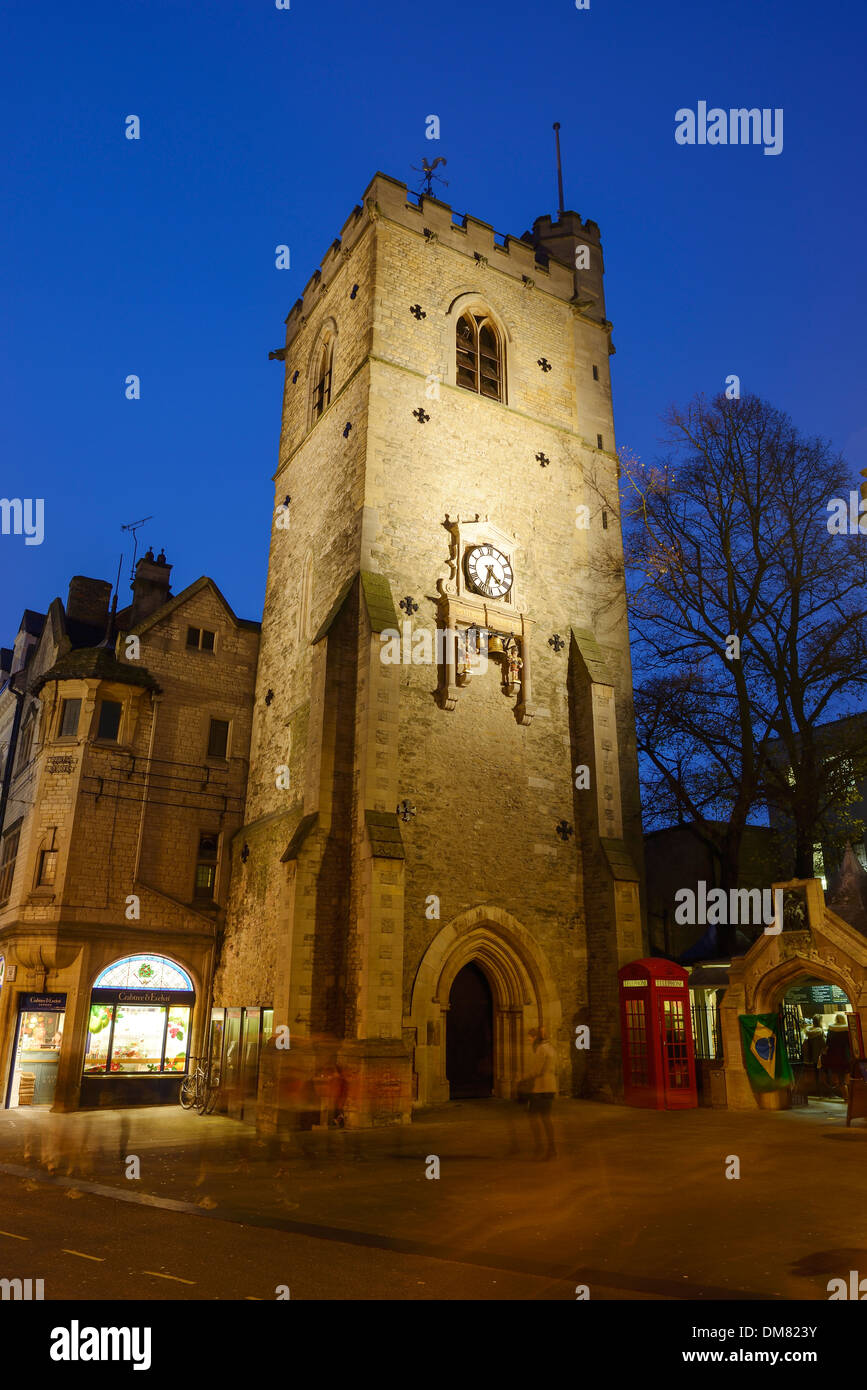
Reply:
x=262, y=126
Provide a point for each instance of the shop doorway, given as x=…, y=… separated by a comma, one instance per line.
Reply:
x=814, y=1016
x=38, y=1037
x=470, y=1036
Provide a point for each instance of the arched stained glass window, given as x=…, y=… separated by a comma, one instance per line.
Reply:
x=143, y=972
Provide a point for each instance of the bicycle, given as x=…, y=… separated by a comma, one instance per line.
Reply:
x=197, y=1089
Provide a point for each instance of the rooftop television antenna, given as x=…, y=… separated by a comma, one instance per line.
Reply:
x=134, y=526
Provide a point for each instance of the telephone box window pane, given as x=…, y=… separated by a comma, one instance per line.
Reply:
x=98, y=1035
x=109, y=720
x=70, y=711
x=676, y=1049
x=636, y=1038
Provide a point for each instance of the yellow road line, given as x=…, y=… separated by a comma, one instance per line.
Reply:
x=12, y=1235
x=99, y=1258
x=157, y=1275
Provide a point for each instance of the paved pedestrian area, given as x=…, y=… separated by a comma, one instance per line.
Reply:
x=637, y=1203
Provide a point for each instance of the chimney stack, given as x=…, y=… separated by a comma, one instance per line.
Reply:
x=88, y=600
x=150, y=588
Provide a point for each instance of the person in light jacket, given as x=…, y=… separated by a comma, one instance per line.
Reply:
x=544, y=1073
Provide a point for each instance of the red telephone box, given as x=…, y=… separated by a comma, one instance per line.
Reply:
x=656, y=1033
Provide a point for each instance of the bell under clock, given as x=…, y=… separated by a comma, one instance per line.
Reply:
x=480, y=595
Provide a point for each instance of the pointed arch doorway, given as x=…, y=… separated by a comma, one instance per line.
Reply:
x=470, y=1035
x=481, y=985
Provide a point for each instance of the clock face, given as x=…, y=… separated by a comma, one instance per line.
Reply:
x=488, y=571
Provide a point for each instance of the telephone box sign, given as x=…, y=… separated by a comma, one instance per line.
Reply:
x=42, y=1003
x=656, y=1034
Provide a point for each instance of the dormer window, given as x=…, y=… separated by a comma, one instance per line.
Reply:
x=479, y=355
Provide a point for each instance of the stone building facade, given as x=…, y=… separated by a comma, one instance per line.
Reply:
x=447, y=846
x=124, y=739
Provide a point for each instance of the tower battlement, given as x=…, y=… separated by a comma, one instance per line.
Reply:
x=544, y=257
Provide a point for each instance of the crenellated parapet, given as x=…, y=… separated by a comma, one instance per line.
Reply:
x=541, y=259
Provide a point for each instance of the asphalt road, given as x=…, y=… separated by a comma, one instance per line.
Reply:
x=88, y=1246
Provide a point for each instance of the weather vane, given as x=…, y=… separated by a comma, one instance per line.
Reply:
x=427, y=172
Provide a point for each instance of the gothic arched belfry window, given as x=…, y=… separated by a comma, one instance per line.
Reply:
x=322, y=369
x=479, y=352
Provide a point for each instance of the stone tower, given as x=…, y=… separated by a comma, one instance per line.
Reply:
x=449, y=815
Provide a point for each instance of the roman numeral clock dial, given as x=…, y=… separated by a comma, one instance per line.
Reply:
x=488, y=571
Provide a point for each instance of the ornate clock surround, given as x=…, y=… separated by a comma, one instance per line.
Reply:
x=461, y=607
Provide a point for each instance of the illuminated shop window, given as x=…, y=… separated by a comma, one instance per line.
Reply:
x=98, y=1035
x=130, y=1039
x=140, y=1013
x=144, y=972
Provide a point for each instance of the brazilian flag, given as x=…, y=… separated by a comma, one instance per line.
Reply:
x=765, y=1052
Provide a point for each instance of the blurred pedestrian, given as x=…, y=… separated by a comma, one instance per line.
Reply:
x=837, y=1057
x=541, y=1101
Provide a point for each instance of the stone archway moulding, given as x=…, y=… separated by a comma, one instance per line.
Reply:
x=830, y=950
x=522, y=988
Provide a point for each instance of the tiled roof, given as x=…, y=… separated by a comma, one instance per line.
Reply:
x=96, y=663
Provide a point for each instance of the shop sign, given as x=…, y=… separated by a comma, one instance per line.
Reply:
x=142, y=996
x=42, y=1003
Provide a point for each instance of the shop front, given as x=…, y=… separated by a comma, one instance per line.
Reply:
x=138, y=1039
x=36, y=1050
